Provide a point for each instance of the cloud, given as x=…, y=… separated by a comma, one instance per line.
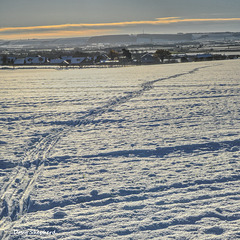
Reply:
x=98, y=28
x=84, y=25
x=178, y=20
x=58, y=34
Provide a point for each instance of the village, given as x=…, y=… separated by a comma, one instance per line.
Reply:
x=110, y=57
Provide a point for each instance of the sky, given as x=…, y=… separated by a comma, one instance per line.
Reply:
x=30, y=19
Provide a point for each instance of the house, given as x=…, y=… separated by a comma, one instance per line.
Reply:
x=147, y=58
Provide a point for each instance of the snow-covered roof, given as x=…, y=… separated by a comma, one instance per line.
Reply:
x=146, y=55
x=147, y=58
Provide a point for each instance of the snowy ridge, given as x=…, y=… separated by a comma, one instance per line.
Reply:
x=86, y=175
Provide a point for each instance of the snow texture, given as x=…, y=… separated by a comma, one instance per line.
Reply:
x=146, y=152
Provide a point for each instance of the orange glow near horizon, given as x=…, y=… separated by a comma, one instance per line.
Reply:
x=87, y=29
x=58, y=34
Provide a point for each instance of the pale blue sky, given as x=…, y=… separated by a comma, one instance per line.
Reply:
x=27, y=13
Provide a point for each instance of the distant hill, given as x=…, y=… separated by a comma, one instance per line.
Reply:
x=139, y=38
x=44, y=43
x=112, y=39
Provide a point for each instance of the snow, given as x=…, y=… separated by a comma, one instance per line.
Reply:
x=146, y=152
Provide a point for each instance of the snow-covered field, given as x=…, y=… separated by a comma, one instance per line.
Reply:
x=146, y=152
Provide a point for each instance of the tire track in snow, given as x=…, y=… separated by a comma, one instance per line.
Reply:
x=15, y=195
